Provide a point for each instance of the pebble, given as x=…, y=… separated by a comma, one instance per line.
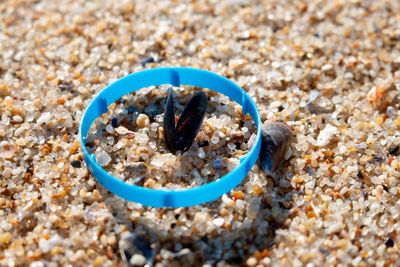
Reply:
x=326, y=135
x=389, y=242
x=44, y=118
x=146, y=61
x=122, y=130
x=218, y=222
x=393, y=150
x=217, y=164
x=7, y=173
x=8, y=151
x=201, y=153
x=103, y=159
x=143, y=120
x=236, y=64
x=137, y=260
x=114, y=122
x=36, y=264
x=203, y=143
x=251, y=261
x=76, y=163
x=314, y=95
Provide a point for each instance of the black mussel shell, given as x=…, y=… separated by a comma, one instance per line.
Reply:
x=190, y=121
x=183, y=135
x=170, y=135
x=275, y=141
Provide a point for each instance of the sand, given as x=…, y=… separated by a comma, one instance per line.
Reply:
x=330, y=69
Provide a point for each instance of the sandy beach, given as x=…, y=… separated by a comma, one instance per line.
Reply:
x=329, y=69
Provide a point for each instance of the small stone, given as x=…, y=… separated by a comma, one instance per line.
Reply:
x=394, y=150
x=44, y=118
x=236, y=64
x=114, y=122
x=36, y=264
x=214, y=139
x=326, y=134
x=7, y=172
x=201, y=153
x=252, y=261
x=143, y=120
x=18, y=119
x=389, y=242
x=136, y=167
x=76, y=163
x=137, y=260
x=205, y=172
x=109, y=129
x=44, y=245
x=218, y=222
x=203, y=143
x=314, y=95
x=5, y=238
x=217, y=164
x=158, y=162
x=103, y=159
x=147, y=61
x=135, y=245
x=122, y=130
x=233, y=164
x=186, y=256
x=8, y=151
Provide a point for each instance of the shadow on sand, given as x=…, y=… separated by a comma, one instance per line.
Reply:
x=178, y=243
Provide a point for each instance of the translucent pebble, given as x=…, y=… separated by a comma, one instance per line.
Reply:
x=45, y=117
x=18, y=118
x=157, y=161
x=196, y=173
x=143, y=121
x=231, y=147
x=314, y=95
x=326, y=134
x=109, y=129
x=141, y=138
x=103, y=159
x=217, y=164
x=205, y=172
x=240, y=204
x=218, y=124
x=137, y=260
x=233, y=164
x=214, y=139
x=36, y=264
x=390, y=111
x=201, y=154
x=44, y=245
x=8, y=150
x=121, y=130
x=218, y=222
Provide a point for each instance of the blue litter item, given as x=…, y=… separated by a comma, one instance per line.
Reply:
x=173, y=76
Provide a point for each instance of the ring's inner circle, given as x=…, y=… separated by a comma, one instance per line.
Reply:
x=128, y=140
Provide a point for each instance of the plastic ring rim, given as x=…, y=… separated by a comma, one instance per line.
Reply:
x=174, y=76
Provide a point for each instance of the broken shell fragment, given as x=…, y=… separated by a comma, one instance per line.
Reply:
x=275, y=141
x=182, y=136
x=8, y=151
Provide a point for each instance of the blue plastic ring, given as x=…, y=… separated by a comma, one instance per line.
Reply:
x=175, y=77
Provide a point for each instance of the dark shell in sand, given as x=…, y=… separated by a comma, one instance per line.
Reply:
x=182, y=135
